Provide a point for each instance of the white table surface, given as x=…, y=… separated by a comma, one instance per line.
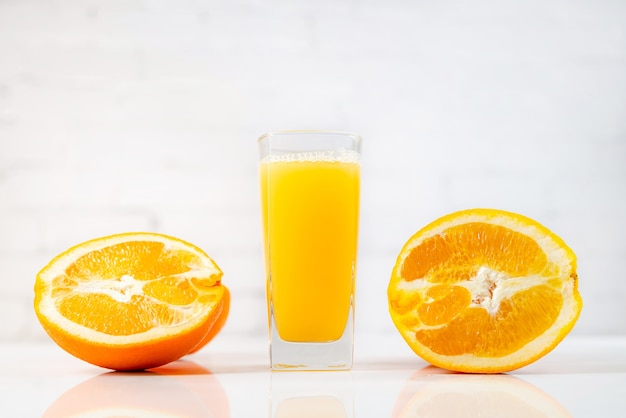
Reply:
x=582, y=377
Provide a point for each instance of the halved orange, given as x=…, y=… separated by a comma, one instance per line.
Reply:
x=131, y=301
x=484, y=291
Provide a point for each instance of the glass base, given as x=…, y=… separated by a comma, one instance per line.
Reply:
x=333, y=355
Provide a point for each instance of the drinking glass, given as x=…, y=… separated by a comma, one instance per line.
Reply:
x=310, y=184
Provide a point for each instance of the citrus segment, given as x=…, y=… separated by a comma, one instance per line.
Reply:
x=131, y=301
x=484, y=290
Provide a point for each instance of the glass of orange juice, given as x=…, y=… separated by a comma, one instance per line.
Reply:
x=310, y=207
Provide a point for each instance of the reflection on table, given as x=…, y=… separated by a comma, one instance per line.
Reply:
x=463, y=395
x=311, y=395
x=181, y=389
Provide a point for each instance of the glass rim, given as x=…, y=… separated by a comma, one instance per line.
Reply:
x=310, y=132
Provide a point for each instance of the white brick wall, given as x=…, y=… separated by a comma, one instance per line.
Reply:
x=143, y=115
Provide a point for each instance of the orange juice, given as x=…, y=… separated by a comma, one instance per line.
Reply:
x=310, y=210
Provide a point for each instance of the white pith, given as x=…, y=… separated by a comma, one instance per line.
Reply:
x=121, y=291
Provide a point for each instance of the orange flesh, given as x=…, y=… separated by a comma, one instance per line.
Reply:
x=103, y=314
x=143, y=261
x=449, y=324
x=454, y=257
x=475, y=330
x=120, y=311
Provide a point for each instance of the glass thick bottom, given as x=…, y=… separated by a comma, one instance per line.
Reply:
x=332, y=355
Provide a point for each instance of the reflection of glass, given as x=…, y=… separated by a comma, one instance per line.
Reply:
x=311, y=406
x=311, y=395
x=485, y=396
x=310, y=201
x=180, y=389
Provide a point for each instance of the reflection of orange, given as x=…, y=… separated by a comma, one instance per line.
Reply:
x=131, y=301
x=484, y=291
x=181, y=388
x=455, y=395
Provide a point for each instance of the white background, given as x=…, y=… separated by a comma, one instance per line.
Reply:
x=125, y=115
